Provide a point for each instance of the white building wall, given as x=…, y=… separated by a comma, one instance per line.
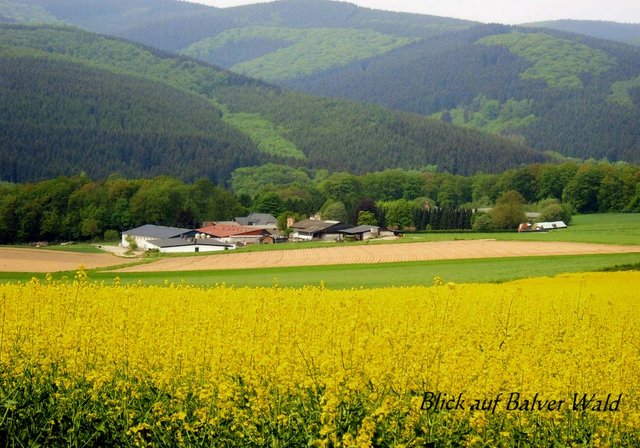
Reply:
x=141, y=241
x=301, y=236
x=191, y=249
x=331, y=237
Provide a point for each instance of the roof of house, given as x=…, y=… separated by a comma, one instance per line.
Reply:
x=181, y=242
x=153, y=231
x=314, y=225
x=359, y=229
x=224, y=231
x=257, y=219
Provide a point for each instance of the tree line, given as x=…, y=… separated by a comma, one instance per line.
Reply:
x=79, y=208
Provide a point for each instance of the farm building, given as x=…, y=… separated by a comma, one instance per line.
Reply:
x=362, y=233
x=314, y=229
x=549, y=225
x=235, y=234
x=541, y=226
x=263, y=220
x=143, y=234
x=184, y=245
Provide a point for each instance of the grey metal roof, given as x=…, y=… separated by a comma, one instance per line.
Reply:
x=314, y=225
x=159, y=232
x=181, y=242
x=257, y=219
x=359, y=229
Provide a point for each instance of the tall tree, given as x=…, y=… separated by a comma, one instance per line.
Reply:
x=508, y=212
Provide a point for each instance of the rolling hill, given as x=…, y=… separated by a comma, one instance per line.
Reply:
x=174, y=25
x=556, y=91
x=553, y=90
x=628, y=33
x=77, y=101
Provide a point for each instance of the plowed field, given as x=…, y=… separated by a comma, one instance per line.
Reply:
x=377, y=253
x=38, y=260
x=42, y=260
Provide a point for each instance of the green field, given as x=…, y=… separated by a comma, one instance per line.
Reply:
x=83, y=248
x=610, y=228
x=368, y=275
x=80, y=248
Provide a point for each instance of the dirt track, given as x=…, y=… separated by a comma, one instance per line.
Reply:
x=378, y=253
x=41, y=260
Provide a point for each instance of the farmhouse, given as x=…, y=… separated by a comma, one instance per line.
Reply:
x=143, y=234
x=184, y=245
x=362, y=233
x=314, y=229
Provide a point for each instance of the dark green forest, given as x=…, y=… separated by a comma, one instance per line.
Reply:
x=75, y=101
x=628, y=33
x=583, y=121
x=61, y=117
x=173, y=25
x=79, y=208
x=576, y=108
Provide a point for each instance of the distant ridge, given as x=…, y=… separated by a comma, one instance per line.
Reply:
x=628, y=33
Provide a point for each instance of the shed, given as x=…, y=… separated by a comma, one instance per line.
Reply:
x=549, y=225
x=185, y=245
x=315, y=229
x=143, y=234
x=361, y=233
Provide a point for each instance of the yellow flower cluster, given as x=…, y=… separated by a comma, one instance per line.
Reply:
x=524, y=363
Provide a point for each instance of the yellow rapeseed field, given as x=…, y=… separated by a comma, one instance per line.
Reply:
x=538, y=362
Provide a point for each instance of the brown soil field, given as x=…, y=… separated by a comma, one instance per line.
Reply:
x=42, y=260
x=377, y=253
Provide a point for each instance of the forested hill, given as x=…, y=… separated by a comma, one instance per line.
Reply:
x=110, y=16
x=628, y=33
x=76, y=101
x=173, y=24
x=273, y=41
x=572, y=94
x=550, y=90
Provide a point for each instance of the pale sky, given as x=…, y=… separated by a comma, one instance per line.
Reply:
x=501, y=11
